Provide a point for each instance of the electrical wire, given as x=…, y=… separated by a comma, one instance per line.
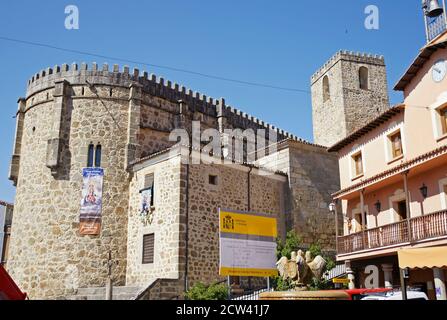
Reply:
x=201, y=74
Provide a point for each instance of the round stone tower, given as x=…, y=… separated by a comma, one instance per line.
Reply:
x=67, y=109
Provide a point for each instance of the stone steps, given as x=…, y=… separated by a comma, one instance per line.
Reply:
x=98, y=293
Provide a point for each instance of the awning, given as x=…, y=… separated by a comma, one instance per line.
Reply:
x=434, y=257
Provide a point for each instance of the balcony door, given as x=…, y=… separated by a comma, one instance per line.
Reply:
x=402, y=210
x=357, y=226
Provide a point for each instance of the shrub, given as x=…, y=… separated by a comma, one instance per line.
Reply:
x=201, y=291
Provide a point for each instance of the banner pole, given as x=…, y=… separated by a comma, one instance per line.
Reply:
x=229, y=287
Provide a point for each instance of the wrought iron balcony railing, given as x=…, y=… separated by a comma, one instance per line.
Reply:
x=425, y=227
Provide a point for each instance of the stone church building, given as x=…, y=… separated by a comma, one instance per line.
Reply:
x=125, y=118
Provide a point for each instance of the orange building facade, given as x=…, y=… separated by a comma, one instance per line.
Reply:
x=393, y=176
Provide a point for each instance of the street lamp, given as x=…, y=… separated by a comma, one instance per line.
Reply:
x=333, y=209
x=424, y=191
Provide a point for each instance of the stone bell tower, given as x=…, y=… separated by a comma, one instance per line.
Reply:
x=347, y=92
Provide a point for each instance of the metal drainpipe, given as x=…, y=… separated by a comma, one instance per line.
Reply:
x=249, y=205
x=248, y=191
x=187, y=221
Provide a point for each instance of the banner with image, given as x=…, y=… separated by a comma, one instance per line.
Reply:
x=91, y=203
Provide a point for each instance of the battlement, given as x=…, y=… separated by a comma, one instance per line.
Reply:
x=155, y=86
x=359, y=57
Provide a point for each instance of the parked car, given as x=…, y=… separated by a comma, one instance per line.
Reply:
x=8, y=289
x=396, y=295
x=358, y=294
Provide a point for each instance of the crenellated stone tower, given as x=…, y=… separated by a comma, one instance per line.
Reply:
x=347, y=92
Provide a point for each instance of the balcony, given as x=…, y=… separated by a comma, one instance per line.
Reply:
x=430, y=226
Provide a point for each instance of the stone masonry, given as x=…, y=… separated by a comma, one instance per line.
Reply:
x=349, y=107
x=131, y=114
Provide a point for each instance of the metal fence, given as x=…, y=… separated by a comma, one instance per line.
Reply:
x=253, y=295
x=336, y=272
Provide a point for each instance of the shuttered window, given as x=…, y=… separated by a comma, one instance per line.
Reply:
x=148, y=248
x=358, y=164
x=396, y=144
x=444, y=120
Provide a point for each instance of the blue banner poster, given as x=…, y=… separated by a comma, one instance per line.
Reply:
x=91, y=203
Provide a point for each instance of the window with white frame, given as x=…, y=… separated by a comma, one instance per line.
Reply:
x=443, y=117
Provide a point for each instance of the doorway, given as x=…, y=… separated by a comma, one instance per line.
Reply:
x=358, y=222
x=402, y=210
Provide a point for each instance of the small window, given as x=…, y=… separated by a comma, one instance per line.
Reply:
x=149, y=186
x=91, y=151
x=326, y=89
x=363, y=78
x=98, y=154
x=443, y=113
x=148, y=248
x=212, y=179
x=94, y=156
x=396, y=144
x=358, y=163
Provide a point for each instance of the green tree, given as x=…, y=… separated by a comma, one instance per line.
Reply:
x=292, y=243
x=321, y=284
x=201, y=291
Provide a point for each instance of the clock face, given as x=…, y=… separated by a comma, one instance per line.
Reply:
x=439, y=70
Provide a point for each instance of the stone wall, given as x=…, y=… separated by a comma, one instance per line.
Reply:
x=130, y=115
x=48, y=257
x=312, y=177
x=165, y=225
x=232, y=193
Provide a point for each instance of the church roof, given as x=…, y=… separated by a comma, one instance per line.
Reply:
x=425, y=53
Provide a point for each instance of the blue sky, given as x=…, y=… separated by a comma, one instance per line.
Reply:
x=275, y=42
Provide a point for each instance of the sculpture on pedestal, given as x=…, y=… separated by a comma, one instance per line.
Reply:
x=301, y=268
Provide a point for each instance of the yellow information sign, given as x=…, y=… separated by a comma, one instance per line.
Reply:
x=340, y=280
x=240, y=223
x=247, y=244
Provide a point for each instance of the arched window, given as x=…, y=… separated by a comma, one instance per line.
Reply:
x=91, y=150
x=363, y=78
x=98, y=156
x=326, y=89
